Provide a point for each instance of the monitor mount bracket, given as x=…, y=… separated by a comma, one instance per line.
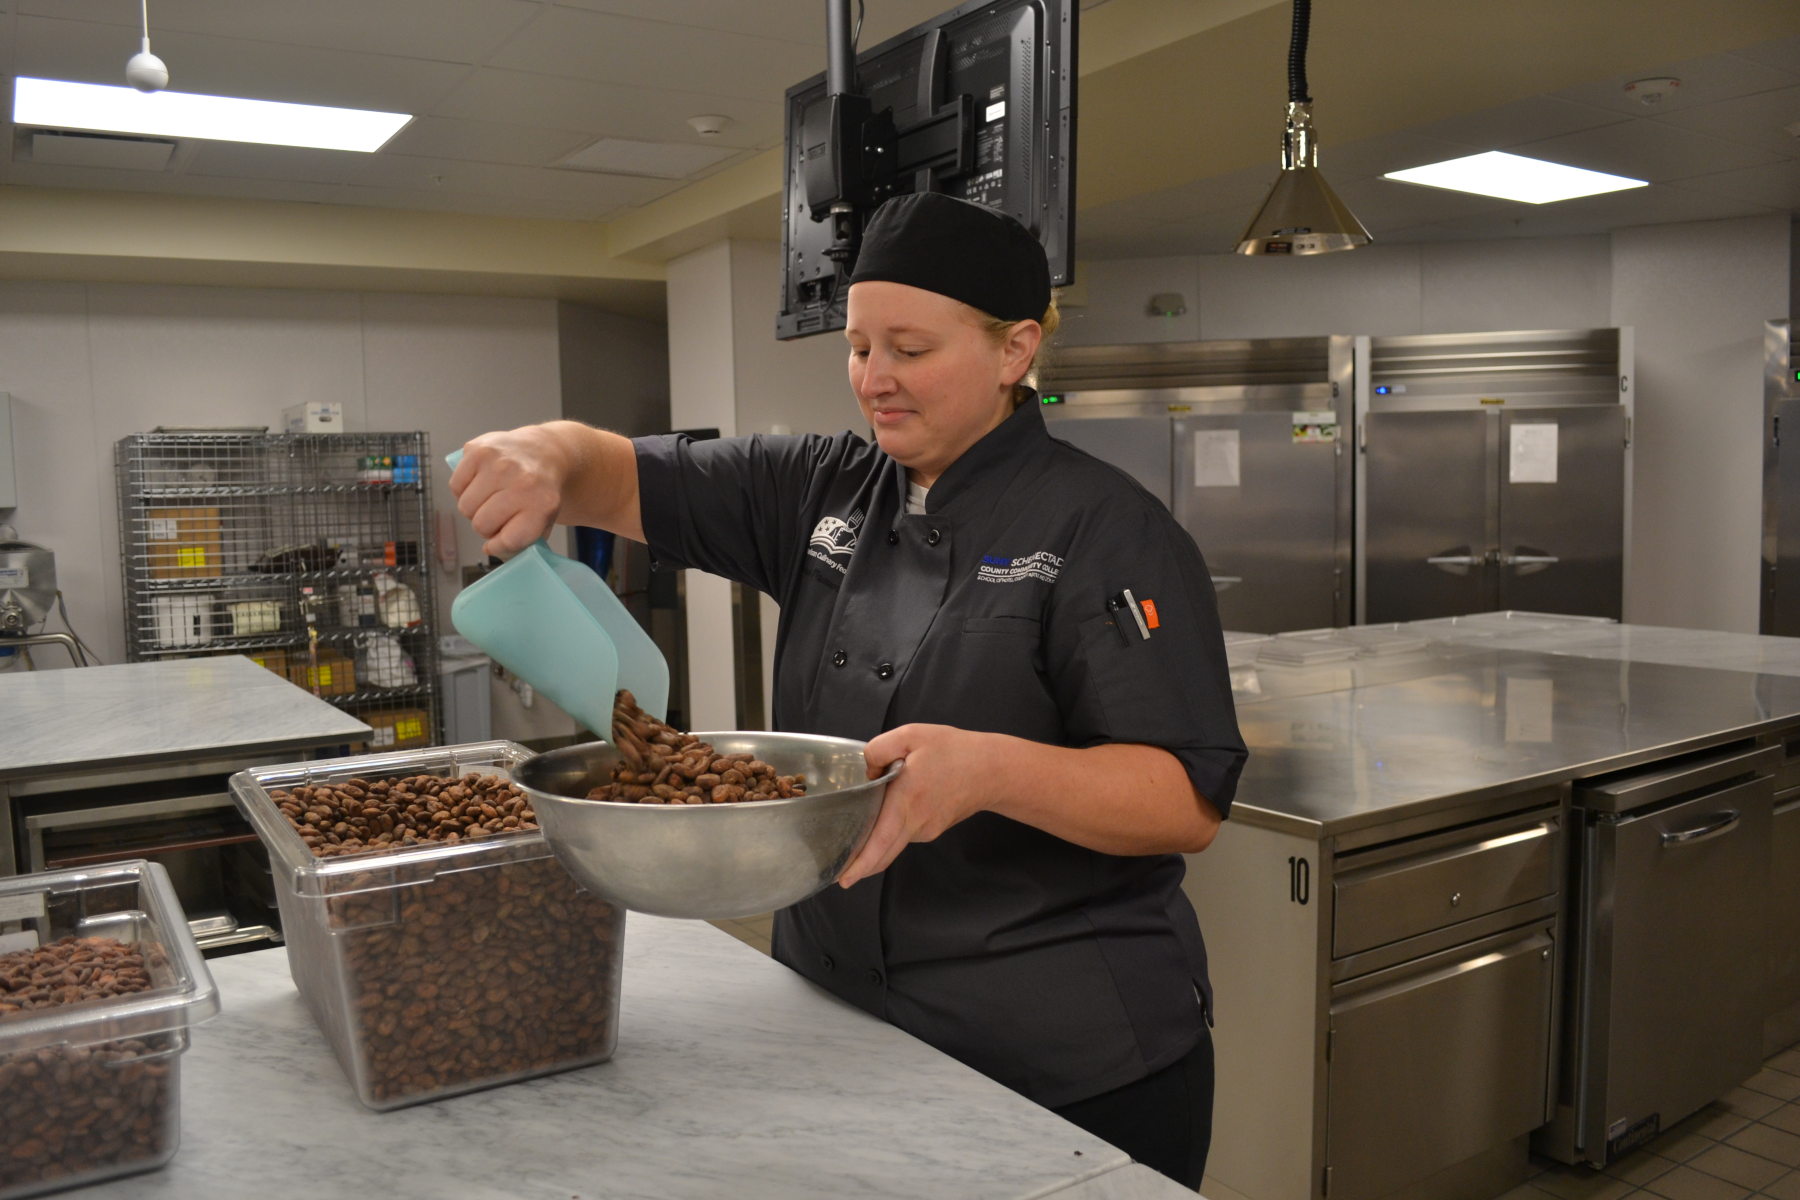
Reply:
x=855, y=158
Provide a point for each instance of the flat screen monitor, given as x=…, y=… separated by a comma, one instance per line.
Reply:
x=978, y=103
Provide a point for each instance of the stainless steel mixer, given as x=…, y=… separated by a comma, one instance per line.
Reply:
x=27, y=592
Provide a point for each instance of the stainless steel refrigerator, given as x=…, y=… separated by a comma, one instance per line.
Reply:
x=1493, y=473
x=1246, y=442
x=1781, y=482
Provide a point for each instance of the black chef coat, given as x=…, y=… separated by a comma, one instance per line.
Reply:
x=1057, y=970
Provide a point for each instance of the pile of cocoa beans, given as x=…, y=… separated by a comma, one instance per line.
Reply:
x=357, y=815
x=662, y=765
x=69, y=1112
x=476, y=978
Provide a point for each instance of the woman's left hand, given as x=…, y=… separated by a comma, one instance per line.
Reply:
x=941, y=785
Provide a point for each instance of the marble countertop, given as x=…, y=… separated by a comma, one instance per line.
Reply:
x=733, y=1077
x=139, y=713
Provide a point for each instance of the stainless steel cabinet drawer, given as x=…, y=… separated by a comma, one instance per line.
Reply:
x=1386, y=894
x=1784, y=902
x=1438, y=1060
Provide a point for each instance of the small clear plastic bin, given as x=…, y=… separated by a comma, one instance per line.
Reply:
x=436, y=969
x=91, y=1089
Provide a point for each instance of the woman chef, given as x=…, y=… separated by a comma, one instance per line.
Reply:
x=1022, y=623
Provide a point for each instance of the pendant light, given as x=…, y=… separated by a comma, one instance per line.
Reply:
x=145, y=71
x=1302, y=215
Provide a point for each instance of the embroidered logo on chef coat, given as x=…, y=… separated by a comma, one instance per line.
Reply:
x=1042, y=566
x=833, y=541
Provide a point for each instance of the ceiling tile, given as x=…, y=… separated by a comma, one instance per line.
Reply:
x=603, y=108
x=56, y=49
x=801, y=21
x=1703, y=80
x=1236, y=193
x=1776, y=185
x=1650, y=150
x=1654, y=205
x=1783, y=53
x=1521, y=121
x=625, y=50
x=495, y=179
x=1758, y=120
x=1383, y=204
x=485, y=141
x=448, y=30
x=238, y=160
x=1376, y=156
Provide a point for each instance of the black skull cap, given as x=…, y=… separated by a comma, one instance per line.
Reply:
x=968, y=252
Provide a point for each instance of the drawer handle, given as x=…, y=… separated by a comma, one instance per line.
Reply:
x=1724, y=823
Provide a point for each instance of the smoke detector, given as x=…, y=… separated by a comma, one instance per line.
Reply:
x=710, y=126
x=1652, y=91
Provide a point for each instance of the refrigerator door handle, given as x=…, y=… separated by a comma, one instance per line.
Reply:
x=1717, y=826
x=1456, y=562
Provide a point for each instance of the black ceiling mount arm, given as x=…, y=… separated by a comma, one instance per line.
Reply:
x=1297, y=89
x=840, y=48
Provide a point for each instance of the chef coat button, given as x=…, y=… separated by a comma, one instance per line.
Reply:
x=828, y=963
x=839, y=659
x=933, y=538
x=885, y=671
x=874, y=977
x=893, y=537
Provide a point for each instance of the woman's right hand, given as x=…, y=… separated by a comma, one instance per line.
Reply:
x=510, y=485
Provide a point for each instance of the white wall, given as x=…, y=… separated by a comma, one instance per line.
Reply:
x=89, y=364
x=703, y=395
x=727, y=371
x=1455, y=287
x=1698, y=296
x=615, y=370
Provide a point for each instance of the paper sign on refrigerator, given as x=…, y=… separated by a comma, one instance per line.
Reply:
x=1533, y=453
x=1215, y=458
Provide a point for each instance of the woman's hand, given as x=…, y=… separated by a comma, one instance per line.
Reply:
x=513, y=486
x=941, y=785
x=1117, y=798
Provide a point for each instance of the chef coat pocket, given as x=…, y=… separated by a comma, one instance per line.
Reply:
x=1137, y=687
x=1029, y=627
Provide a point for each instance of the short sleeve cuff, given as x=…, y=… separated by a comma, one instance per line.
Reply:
x=1214, y=774
x=659, y=497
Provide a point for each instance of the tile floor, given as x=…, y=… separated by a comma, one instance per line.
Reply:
x=1745, y=1144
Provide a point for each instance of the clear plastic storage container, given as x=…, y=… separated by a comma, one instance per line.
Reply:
x=436, y=968
x=91, y=1088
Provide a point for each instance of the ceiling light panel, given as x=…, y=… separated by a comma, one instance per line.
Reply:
x=657, y=160
x=1512, y=177
x=59, y=104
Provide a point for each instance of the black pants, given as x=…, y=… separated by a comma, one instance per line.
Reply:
x=1163, y=1121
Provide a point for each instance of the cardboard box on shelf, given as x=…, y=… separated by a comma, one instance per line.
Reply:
x=184, y=543
x=315, y=416
x=335, y=673
x=273, y=660
x=398, y=729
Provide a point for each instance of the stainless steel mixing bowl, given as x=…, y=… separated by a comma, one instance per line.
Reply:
x=709, y=861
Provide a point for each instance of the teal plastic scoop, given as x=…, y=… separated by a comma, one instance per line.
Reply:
x=555, y=624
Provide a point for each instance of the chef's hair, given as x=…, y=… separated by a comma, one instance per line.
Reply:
x=998, y=330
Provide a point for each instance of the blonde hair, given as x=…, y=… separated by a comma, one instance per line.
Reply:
x=998, y=331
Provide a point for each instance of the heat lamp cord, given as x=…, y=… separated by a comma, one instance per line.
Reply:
x=1297, y=90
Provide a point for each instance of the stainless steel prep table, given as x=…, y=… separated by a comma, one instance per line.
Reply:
x=733, y=1077
x=142, y=741
x=1366, y=779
